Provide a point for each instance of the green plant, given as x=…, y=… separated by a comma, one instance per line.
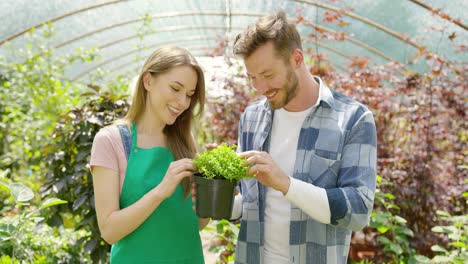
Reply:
x=7, y=260
x=393, y=233
x=23, y=221
x=41, y=243
x=221, y=162
x=224, y=243
x=69, y=176
x=34, y=90
x=457, y=233
x=456, y=230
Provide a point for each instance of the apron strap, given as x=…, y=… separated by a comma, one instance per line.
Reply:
x=126, y=139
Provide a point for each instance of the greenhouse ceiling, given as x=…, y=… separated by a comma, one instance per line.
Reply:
x=123, y=32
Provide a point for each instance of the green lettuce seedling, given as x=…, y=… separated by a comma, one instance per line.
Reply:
x=221, y=162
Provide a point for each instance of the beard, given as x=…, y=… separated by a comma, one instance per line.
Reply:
x=288, y=90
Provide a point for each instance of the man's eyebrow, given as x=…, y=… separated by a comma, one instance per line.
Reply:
x=266, y=71
x=263, y=72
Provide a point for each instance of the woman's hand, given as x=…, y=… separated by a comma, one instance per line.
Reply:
x=175, y=173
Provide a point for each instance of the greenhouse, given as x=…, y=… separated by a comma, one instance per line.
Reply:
x=375, y=171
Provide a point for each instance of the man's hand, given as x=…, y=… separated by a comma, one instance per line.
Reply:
x=266, y=170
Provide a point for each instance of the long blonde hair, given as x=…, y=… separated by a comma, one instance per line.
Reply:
x=179, y=137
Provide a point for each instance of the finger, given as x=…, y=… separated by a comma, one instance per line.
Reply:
x=187, y=163
x=259, y=169
x=183, y=166
x=184, y=174
x=257, y=159
x=210, y=146
x=248, y=154
x=184, y=160
x=252, y=171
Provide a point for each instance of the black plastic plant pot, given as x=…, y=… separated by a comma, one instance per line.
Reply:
x=215, y=197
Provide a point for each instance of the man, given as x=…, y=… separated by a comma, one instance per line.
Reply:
x=313, y=152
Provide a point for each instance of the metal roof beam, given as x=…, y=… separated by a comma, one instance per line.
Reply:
x=136, y=50
x=364, y=20
x=440, y=14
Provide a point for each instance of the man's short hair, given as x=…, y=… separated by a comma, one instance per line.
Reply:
x=275, y=28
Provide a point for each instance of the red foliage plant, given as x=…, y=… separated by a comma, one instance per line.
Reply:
x=421, y=128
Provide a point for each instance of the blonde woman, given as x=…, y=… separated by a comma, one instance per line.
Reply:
x=142, y=166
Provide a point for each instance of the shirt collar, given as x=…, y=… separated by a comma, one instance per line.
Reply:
x=325, y=94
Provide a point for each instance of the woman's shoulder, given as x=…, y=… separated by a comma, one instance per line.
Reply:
x=107, y=150
x=109, y=133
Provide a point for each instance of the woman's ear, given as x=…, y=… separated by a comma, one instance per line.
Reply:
x=147, y=80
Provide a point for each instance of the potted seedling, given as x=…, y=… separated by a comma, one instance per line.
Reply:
x=218, y=171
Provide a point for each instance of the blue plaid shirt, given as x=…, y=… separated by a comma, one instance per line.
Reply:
x=336, y=151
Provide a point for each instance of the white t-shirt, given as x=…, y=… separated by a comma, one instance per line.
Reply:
x=283, y=146
x=311, y=199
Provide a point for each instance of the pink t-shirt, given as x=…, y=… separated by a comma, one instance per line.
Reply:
x=108, y=151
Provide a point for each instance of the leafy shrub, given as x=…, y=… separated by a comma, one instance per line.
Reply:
x=456, y=231
x=40, y=243
x=393, y=233
x=420, y=122
x=24, y=236
x=33, y=92
x=69, y=176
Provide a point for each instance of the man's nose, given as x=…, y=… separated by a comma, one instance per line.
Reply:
x=260, y=85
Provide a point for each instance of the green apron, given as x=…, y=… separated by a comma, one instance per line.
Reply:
x=170, y=234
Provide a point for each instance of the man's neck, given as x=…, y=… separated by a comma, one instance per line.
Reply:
x=307, y=93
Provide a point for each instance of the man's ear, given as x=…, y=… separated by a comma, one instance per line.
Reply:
x=146, y=80
x=297, y=58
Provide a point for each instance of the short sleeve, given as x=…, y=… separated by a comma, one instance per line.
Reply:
x=103, y=152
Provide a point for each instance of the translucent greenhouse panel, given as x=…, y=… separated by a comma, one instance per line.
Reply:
x=381, y=30
x=19, y=15
x=121, y=60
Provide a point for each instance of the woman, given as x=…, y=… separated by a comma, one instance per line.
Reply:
x=142, y=204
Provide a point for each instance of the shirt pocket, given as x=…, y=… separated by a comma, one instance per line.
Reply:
x=323, y=172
